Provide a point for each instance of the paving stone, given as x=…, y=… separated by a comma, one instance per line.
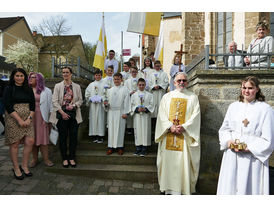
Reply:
x=65, y=185
x=19, y=193
x=118, y=183
x=3, y=185
x=114, y=189
x=137, y=185
x=99, y=182
x=102, y=193
x=5, y=168
x=24, y=188
x=93, y=188
x=6, y=173
x=10, y=187
x=2, y=158
x=108, y=183
x=148, y=186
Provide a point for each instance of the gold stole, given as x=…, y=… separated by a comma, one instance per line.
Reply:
x=177, y=108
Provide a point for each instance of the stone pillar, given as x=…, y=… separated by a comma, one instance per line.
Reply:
x=193, y=34
x=251, y=20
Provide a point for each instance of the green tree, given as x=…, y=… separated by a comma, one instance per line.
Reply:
x=90, y=50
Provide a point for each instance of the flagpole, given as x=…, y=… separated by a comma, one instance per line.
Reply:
x=141, y=51
x=122, y=51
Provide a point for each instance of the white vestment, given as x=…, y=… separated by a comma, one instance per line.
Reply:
x=108, y=82
x=178, y=170
x=158, y=78
x=246, y=173
x=112, y=62
x=142, y=121
x=119, y=104
x=263, y=45
x=131, y=84
x=96, y=109
x=147, y=72
x=126, y=75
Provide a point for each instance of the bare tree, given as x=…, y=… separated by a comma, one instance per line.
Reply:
x=53, y=29
x=53, y=26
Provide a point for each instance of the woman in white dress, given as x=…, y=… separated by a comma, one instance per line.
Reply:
x=246, y=137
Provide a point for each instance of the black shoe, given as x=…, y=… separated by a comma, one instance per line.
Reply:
x=73, y=165
x=18, y=177
x=65, y=166
x=26, y=174
x=143, y=153
x=137, y=152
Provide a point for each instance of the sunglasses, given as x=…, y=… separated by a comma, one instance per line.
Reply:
x=181, y=80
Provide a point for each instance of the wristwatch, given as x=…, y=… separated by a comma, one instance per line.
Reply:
x=29, y=117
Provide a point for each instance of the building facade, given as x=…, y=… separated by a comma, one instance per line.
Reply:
x=196, y=29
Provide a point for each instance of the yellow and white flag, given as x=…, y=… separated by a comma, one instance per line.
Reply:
x=159, y=51
x=145, y=23
x=101, y=50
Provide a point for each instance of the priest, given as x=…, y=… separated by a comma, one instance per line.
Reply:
x=178, y=137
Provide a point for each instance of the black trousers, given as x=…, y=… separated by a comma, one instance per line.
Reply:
x=68, y=128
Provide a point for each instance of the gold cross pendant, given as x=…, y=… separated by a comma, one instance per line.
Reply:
x=246, y=122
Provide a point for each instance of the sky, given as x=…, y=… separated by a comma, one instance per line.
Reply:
x=88, y=24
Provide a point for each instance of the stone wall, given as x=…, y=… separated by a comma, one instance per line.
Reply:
x=217, y=89
x=193, y=34
x=251, y=20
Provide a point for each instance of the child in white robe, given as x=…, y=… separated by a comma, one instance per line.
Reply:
x=141, y=108
x=131, y=84
x=126, y=73
x=108, y=80
x=118, y=106
x=94, y=98
x=159, y=84
x=108, y=83
x=147, y=71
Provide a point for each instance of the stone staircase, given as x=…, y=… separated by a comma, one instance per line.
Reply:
x=92, y=161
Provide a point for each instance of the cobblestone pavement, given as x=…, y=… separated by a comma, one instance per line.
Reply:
x=44, y=183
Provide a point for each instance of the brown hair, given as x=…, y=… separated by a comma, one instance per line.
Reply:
x=262, y=24
x=118, y=75
x=255, y=82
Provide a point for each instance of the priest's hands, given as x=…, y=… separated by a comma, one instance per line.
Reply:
x=177, y=129
x=124, y=116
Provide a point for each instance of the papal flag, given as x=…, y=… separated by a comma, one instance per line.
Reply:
x=159, y=51
x=101, y=50
x=145, y=23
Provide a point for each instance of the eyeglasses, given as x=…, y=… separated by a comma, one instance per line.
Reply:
x=33, y=77
x=181, y=80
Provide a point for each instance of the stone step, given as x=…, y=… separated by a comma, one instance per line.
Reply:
x=100, y=157
x=129, y=146
x=138, y=173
